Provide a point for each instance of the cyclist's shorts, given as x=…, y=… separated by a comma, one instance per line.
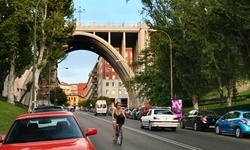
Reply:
x=120, y=120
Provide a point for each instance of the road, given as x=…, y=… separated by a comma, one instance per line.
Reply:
x=142, y=139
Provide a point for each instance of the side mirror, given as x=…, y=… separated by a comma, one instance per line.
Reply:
x=91, y=131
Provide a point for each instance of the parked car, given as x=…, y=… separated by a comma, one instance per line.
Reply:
x=159, y=118
x=110, y=110
x=234, y=122
x=47, y=130
x=48, y=108
x=199, y=120
x=143, y=111
x=72, y=109
x=133, y=114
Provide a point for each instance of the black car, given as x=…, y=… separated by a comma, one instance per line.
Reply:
x=72, y=109
x=199, y=120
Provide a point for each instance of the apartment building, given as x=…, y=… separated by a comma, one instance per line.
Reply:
x=109, y=83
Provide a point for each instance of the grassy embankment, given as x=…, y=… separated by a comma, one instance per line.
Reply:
x=222, y=109
x=8, y=113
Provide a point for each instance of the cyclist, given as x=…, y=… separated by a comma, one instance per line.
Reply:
x=118, y=116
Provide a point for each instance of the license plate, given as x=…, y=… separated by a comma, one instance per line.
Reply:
x=211, y=126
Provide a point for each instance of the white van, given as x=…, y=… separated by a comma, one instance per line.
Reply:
x=101, y=107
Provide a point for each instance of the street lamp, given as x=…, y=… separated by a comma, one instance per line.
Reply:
x=171, y=58
x=56, y=83
x=34, y=58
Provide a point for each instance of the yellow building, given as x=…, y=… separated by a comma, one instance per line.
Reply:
x=73, y=100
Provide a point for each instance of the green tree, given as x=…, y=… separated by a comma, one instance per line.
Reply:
x=54, y=23
x=210, y=44
x=14, y=25
x=58, y=97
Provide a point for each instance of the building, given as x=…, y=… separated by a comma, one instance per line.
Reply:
x=91, y=91
x=74, y=99
x=109, y=84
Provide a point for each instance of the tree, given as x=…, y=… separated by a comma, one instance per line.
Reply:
x=15, y=40
x=210, y=44
x=58, y=97
x=54, y=20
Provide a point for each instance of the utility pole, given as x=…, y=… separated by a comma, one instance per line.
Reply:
x=80, y=11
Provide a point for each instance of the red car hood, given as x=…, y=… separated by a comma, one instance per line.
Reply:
x=67, y=144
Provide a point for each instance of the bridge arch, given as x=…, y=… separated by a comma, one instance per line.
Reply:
x=81, y=40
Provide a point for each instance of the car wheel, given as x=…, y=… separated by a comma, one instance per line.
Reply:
x=217, y=130
x=195, y=126
x=182, y=124
x=150, y=126
x=173, y=129
x=238, y=133
x=141, y=125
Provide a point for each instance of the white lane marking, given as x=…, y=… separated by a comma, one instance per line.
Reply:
x=152, y=135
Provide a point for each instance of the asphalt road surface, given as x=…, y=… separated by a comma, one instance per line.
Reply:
x=135, y=138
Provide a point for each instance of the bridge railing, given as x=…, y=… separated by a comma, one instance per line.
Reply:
x=109, y=24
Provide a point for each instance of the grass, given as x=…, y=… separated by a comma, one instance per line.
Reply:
x=8, y=113
x=222, y=109
x=244, y=93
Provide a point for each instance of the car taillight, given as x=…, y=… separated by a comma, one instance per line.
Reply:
x=203, y=119
x=244, y=121
x=156, y=118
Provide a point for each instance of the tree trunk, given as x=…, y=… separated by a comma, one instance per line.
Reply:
x=219, y=82
x=229, y=93
x=28, y=88
x=11, y=80
x=221, y=94
x=195, y=102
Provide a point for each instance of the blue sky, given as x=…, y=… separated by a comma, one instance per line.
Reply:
x=81, y=62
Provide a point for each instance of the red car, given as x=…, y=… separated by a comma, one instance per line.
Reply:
x=46, y=131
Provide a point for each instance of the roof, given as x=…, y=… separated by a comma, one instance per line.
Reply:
x=45, y=114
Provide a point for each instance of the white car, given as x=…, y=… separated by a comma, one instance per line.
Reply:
x=159, y=118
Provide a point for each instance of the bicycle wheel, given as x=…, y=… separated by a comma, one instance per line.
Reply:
x=119, y=137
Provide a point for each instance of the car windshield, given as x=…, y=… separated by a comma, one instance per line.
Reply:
x=163, y=112
x=43, y=129
x=207, y=113
x=246, y=115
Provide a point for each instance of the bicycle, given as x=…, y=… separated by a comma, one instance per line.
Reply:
x=119, y=136
x=120, y=121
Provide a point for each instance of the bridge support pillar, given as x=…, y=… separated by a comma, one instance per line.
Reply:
x=123, y=46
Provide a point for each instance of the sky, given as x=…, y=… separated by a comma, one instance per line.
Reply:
x=81, y=62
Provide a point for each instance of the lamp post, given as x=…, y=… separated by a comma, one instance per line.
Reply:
x=171, y=59
x=34, y=58
x=56, y=83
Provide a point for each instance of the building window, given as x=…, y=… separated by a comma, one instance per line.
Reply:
x=113, y=92
x=126, y=54
x=108, y=69
x=113, y=76
x=120, y=92
x=113, y=84
x=107, y=76
x=107, y=91
x=113, y=70
x=107, y=83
